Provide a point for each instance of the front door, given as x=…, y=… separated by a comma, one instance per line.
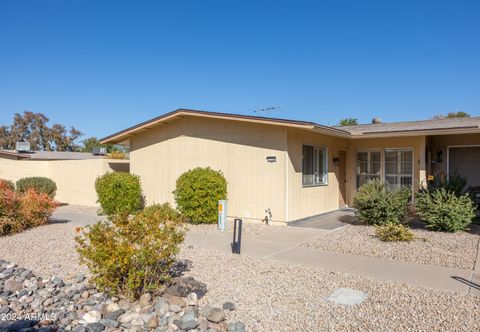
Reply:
x=342, y=178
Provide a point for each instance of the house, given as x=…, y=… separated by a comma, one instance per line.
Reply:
x=73, y=172
x=295, y=169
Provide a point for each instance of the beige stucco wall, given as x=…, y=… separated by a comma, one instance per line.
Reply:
x=307, y=201
x=160, y=155
x=417, y=143
x=441, y=143
x=75, y=179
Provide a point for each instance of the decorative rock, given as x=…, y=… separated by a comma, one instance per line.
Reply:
x=109, y=322
x=229, y=306
x=347, y=296
x=137, y=322
x=161, y=307
x=216, y=315
x=79, y=278
x=95, y=327
x=236, y=327
x=188, y=325
x=115, y=315
x=182, y=286
x=80, y=307
x=192, y=299
x=152, y=322
x=125, y=305
x=128, y=317
x=12, y=285
x=79, y=328
x=92, y=316
x=112, y=307
x=175, y=308
x=145, y=300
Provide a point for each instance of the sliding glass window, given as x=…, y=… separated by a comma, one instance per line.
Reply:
x=398, y=168
x=368, y=166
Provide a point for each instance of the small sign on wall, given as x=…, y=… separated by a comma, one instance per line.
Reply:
x=272, y=159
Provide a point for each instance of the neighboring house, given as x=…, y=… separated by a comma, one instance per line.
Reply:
x=73, y=172
x=295, y=169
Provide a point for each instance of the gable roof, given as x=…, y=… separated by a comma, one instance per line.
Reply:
x=408, y=128
x=126, y=133
x=436, y=126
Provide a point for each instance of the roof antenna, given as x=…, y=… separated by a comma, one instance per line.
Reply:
x=266, y=110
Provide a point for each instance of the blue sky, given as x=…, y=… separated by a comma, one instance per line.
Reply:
x=104, y=65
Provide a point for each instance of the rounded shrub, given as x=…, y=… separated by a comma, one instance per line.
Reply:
x=119, y=193
x=19, y=212
x=8, y=183
x=443, y=210
x=39, y=184
x=197, y=194
x=163, y=211
x=134, y=255
x=394, y=233
x=376, y=205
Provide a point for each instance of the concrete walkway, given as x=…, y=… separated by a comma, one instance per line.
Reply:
x=282, y=243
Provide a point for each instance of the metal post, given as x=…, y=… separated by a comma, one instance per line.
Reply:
x=237, y=236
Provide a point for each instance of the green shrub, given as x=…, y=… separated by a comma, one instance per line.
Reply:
x=163, y=211
x=132, y=255
x=376, y=205
x=394, y=232
x=443, y=210
x=197, y=194
x=39, y=184
x=119, y=193
x=455, y=183
x=473, y=192
x=8, y=183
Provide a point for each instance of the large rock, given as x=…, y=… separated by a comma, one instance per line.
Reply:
x=183, y=286
x=216, y=315
x=12, y=285
x=93, y=316
x=145, y=300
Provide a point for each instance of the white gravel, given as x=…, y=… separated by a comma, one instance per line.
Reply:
x=457, y=250
x=48, y=249
x=275, y=296
x=272, y=295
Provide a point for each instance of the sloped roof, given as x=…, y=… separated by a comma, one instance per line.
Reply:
x=124, y=134
x=412, y=127
x=408, y=128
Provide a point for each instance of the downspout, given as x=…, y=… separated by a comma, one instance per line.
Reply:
x=285, y=157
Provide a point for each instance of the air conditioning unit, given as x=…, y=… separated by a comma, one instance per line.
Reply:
x=22, y=146
x=99, y=151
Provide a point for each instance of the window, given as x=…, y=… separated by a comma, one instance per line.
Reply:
x=398, y=168
x=314, y=166
x=368, y=166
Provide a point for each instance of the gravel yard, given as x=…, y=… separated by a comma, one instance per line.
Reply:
x=457, y=250
x=273, y=296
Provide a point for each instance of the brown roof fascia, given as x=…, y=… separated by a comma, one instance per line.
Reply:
x=292, y=123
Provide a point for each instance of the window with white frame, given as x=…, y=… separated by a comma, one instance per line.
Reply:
x=314, y=166
x=398, y=168
x=368, y=166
